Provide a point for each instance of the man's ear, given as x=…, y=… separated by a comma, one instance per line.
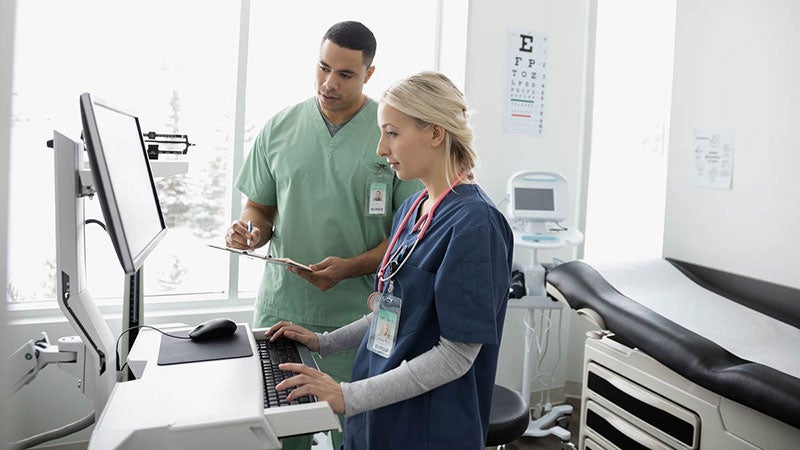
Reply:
x=437, y=135
x=370, y=71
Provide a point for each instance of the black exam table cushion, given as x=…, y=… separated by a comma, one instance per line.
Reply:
x=694, y=357
x=779, y=302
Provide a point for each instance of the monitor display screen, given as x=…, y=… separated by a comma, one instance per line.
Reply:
x=123, y=180
x=534, y=199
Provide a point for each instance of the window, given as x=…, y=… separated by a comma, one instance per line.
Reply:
x=288, y=59
x=174, y=64
x=119, y=53
x=630, y=127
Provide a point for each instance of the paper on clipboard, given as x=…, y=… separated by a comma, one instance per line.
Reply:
x=282, y=261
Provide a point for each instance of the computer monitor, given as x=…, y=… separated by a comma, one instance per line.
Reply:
x=123, y=180
x=537, y=197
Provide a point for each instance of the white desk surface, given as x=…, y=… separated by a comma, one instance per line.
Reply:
x=225, y=388
x=204, y=404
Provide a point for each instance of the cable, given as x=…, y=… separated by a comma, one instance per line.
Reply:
x=121, y=374
x=546, y=334
x=116, y=346
x=552, y=375
x=542, y=346
x=66, y=430
x=529, y=338
x=530, y=333
x=503, y=201
x=96, y=222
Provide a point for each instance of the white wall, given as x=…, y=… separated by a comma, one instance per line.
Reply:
x=7, y=9
x=560, y=148
x=737, y=68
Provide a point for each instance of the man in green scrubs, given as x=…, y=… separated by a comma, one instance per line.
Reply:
x=311, y=181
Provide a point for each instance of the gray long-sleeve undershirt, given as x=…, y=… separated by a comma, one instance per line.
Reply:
x=441, y=364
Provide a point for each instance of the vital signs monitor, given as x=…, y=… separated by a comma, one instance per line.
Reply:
x=538, y=197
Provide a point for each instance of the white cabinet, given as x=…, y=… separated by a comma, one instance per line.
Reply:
x=631, y=401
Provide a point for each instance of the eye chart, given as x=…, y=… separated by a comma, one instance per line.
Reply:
x=526, y=83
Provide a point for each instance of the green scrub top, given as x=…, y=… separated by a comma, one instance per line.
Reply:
x=319, y=185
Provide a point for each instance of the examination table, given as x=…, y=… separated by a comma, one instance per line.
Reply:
x=687, y=356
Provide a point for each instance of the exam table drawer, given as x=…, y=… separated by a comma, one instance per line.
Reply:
x=645, y=409
x=616, y=433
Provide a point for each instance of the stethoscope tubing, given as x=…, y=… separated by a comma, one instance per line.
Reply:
x=424, y=222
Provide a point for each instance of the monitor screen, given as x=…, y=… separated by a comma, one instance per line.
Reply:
x=534, y=199
x=538, y=196
x=123, y=180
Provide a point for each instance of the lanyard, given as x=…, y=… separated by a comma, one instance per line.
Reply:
x=422, y=226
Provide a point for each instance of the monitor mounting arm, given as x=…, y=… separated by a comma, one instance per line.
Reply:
x=34, y=355
x=90, y=356
x=73, y=183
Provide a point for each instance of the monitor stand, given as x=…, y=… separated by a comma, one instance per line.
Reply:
x=132, y=313
x=536, y=300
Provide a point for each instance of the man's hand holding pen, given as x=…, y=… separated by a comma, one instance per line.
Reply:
x=324, y=275
x=242, y=235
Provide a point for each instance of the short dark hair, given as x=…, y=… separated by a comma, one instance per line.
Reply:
x=355, y=36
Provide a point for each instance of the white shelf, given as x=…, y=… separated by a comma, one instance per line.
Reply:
x=549, y=240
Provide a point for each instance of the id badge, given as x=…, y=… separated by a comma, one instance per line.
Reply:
x=378, y=193
x=383, y=329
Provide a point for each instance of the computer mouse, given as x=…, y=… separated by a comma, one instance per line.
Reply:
x=213, y=329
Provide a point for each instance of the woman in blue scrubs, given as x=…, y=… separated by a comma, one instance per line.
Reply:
x=427, y=354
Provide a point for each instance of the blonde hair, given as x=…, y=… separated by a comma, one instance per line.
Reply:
x=431, y=98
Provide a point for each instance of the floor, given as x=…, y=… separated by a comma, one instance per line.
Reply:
x=523, y=443
x=550, y=442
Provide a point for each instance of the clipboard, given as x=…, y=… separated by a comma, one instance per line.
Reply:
x=281, y=261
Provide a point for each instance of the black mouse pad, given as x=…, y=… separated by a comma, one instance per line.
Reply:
x=180, y=351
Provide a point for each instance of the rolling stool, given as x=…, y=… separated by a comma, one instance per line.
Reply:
x=508, y=419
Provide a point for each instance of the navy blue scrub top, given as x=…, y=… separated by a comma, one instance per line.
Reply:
x=454, y=284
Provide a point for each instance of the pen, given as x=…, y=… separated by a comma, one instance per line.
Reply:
x=249, y=230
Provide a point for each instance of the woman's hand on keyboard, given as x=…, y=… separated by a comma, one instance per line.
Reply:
x=310, y=381
x=295, y=333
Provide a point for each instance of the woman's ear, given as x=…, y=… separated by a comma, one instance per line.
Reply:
x=437, y=136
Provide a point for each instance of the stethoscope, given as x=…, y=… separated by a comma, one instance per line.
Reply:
x=421, y=225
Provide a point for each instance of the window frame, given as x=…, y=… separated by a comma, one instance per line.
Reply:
x=234, y=299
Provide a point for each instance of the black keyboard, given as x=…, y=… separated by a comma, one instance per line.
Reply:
x=282, y=350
